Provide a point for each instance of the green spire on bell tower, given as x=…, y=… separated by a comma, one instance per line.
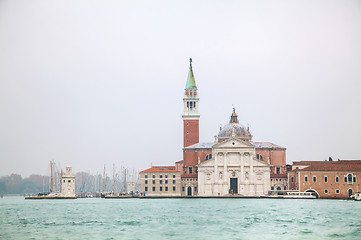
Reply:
x=191, y=82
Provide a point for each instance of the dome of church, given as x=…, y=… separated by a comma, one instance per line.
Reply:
x=239, y=130
x=234, y=129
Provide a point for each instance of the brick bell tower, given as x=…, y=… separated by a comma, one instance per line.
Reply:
x=190, y=115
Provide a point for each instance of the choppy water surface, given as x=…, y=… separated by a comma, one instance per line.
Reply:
x=179, y=219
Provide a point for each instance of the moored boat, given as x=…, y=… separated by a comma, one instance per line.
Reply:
x=357, y=196
x=297, y=195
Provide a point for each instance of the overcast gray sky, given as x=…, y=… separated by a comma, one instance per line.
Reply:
x=89, y=83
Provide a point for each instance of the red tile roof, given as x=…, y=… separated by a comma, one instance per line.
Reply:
x=327, y=162
x=161, y=169
x=341, y=165
x=278, y=175
x=334, y=167
x=267, y=145
x=187, y=175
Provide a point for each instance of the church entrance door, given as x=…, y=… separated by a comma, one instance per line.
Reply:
x=234, y=185
x=189, y=190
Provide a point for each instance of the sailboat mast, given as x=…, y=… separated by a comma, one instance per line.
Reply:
x=113, y=186
x=51, y=177
x=104, y=179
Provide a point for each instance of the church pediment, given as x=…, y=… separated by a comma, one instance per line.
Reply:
x=260, y=163
x=233, y=143
x=207, y=163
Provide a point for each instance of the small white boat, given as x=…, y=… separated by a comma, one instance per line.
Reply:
x=303, y=195
x=357, y=197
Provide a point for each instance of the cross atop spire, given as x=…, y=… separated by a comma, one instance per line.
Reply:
x=191, y=82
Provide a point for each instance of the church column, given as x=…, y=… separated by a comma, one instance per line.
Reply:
x=251, y=166
x=216, y=177
x=216, y=168
x=224, y=166
x=242, y=167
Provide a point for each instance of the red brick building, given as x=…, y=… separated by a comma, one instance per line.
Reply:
x=327, y=179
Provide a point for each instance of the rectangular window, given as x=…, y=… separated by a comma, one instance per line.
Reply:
x=173, y=188
x=153, y=189
x=173, y=175
x=160, y=181
x=182, y=189
x=153, y=181
x=326, y=178
x=314, y=179
x=166, y=181
x=64, y=181
x=146, y=176
x=190, y=170
x=160, y=176
x=278, y=170
x=195, y=189
x=292, y=179
x=354, y=178
x=160, y=188
x=345, y=179
x=337, y=179
x=166, y=189
x=146, y=189
x=306, y=179
x=153, y=176
x=173, y=181
x=272, y=188
x=146, y=181
x=166, y=176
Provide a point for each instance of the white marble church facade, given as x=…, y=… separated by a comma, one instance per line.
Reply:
x=233, y=169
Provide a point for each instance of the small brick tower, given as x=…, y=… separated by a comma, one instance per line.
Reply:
x=190, y=115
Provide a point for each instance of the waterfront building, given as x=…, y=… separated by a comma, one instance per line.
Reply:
x=232, y=163
x=160, y=181
x=326, y=179
x=68, y=183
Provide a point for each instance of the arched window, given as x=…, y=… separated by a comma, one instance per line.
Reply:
x=259, y=157
x=209, y=156
x=349, y=178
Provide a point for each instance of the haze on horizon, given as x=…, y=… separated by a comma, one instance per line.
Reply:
x=89, y=83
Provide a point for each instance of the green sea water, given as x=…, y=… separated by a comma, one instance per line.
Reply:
x=179, y=219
